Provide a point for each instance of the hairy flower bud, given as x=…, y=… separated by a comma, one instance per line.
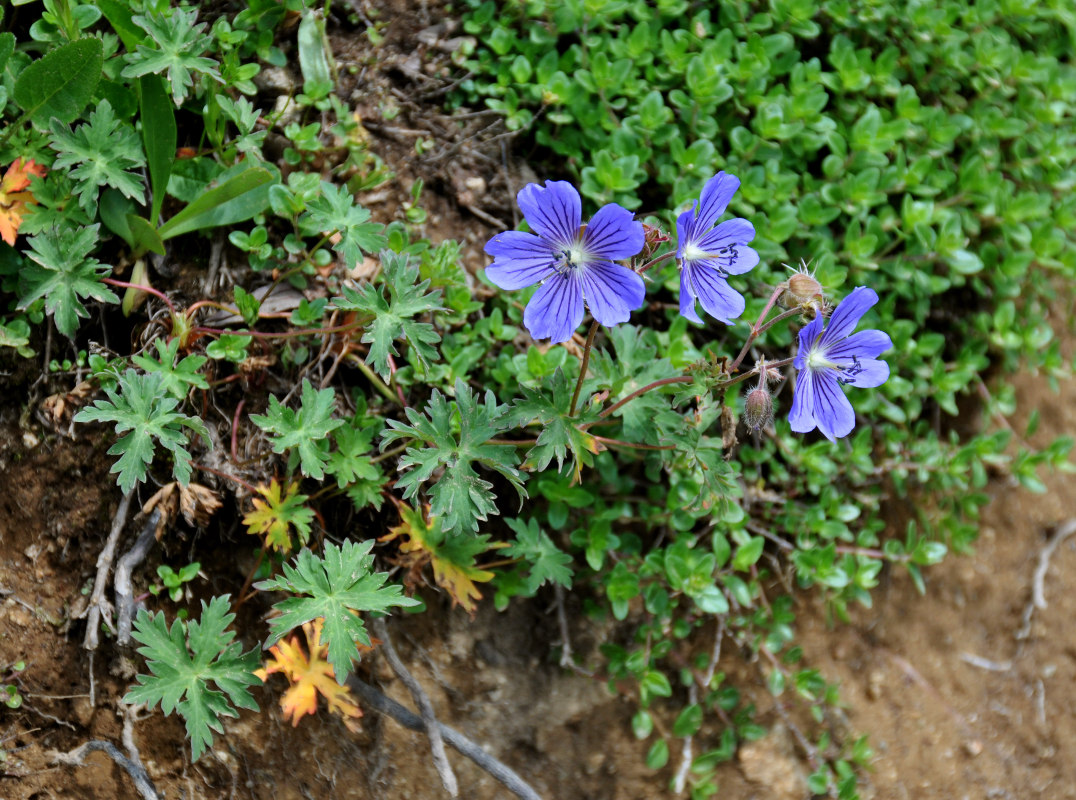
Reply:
x=758, y=411
x=802, y=289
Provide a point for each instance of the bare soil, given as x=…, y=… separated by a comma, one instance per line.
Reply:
x=963, y=693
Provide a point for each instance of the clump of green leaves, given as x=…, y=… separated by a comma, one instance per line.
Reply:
x=145, y=415
x=333, y=586
x=184, y=660
x=453, y=435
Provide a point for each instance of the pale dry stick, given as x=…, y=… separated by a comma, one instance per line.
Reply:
x=131, y=762
x=1038, y=590
x=433, y=731
x=98, y=604
x=566, y=660
x=686, y=754
x=125, y=604
x=501, y=772
x=985, y=663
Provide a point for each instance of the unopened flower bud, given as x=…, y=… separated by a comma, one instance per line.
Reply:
x=802, y=289
x=758, y=411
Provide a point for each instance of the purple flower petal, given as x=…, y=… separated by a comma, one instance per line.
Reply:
x=611, y=291
x=555, y=212
x=613, y=233
x=687, y=298
x=556, y=309
x=520, y=259
x=718, y=299
x=848, y=313
x=731, y=231
x=808, y=335
x=864, y=373
x=803, y=399
x=715, y=198
x=865, y=344
x=832, y=411
x=685, y=230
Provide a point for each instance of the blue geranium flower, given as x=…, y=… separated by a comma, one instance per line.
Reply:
x=835, y=357
x=573, y=262
x=708, y=255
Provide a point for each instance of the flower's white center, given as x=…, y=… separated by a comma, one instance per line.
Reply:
x=571, y=257
x=692, y=252
x=816, y=359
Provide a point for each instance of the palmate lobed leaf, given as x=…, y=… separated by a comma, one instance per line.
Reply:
x=275, y=516
x=141, y=408
x=310, y=675
x=334, y=212
x=100, y=152
x=183, y=661
x=335, y=585
x=561, y=432
x=305, y=432
x=459, y=496
x=175, y=48
x=422, y=539
x=63, y=274
x=549, y=564
x=393, y=316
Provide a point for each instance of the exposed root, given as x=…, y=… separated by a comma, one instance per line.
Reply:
x=430, y=724
x=98, y=605
x=131, y=762
x=386, y=705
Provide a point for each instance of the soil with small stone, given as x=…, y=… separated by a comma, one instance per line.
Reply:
x=966, y=691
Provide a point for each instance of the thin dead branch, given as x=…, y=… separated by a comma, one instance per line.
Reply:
x=1038, y=581
x=131, y=762
x=432, y=728
x=125, y=604
x=98, y=605
x=386, y=705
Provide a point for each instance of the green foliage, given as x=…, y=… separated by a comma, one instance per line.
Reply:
x=60, y=83
x=177, y=378
x=393, y=317
x=302, y=433
x=100, y=153
x=175, y=49
x=335, y=585
x=63, y=274
x=143, y=410
x=453, y=436
x=333, y=212
x=548, y=564
x=183, y=660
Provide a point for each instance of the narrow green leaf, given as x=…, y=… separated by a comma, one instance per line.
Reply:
x=114, y=209
x=313, y=61
x=60, y=83
x=233, y=201
x=144, y=236
x=158, y=136
x=7, y=47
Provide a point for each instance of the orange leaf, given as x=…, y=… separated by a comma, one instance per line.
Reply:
x=310, y=675
x=13, y=197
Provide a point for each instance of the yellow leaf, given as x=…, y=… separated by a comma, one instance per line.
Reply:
x=276, y=515
x=421, y=540
x=13, y=197
x=310, y=675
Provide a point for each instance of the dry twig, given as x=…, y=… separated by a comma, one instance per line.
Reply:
x=432, y=728
x=1038, y=590
x=386, y=705
x=125, y=604
x=131, y=762
x=98, y=605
